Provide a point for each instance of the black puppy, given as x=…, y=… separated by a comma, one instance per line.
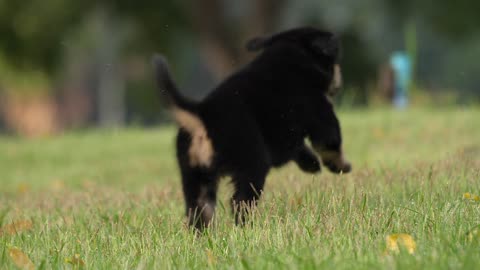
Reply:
x=258, y=118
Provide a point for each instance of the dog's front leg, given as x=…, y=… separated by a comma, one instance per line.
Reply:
x=326, y=138
x=306, y=160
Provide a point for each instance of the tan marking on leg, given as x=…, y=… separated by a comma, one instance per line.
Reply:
x=201, y=148
x=334, y=157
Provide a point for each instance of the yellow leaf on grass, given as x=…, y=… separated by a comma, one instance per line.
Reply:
x=75, y=260
x=88, y=184
x=396, y=241
x=20, y=259
x=474, y=234
x=378, y=133
x=57, y=185
x=470, y=196
x=210, y=257
x=16, y=227
x=23, y=188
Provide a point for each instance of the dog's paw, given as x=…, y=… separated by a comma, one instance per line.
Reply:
x=339, y=167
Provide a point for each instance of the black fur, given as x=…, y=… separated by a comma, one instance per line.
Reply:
x=259, y=118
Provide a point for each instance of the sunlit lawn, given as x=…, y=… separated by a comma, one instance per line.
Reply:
x=112, y=200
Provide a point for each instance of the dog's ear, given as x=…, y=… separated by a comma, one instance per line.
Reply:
x=328, y=46
x=257, y=44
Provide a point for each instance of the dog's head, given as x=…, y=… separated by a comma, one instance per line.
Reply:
x=321, y=46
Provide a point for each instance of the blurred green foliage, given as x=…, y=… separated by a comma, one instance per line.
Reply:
x=43, y=42
x=453, y=19
x=33, y=31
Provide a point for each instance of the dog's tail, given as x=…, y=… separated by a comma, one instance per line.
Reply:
x=184, y=111
x=167, y=87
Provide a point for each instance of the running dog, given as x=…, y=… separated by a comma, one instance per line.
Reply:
x=258, y=118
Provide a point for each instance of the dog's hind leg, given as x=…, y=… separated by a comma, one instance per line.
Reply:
x=200, y=192
x=199, y=186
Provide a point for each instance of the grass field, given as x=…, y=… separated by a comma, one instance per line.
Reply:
x=112, y=200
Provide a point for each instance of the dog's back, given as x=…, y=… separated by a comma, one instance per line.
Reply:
x=271, y=96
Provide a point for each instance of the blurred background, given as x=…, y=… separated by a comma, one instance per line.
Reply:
x=67, y=64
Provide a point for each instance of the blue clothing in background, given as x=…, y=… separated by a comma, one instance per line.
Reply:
x=402, y=68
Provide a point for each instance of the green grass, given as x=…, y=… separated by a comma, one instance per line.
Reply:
x=114, y=198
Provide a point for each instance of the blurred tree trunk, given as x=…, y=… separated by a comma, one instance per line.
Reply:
x=216, y=39
x=94, y=88
x=111, y=85
x=385, y=85
x=263, y=20
x=2, y=104
x=222, y=44
x=77, y=95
